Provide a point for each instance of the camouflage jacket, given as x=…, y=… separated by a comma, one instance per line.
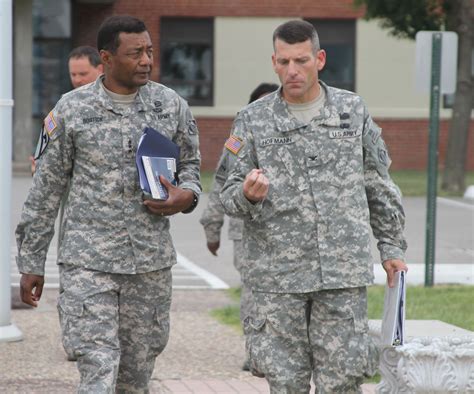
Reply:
x=93, y=144
x=212, y=218
x=329, y=184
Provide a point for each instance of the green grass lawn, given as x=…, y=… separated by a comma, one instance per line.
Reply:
x=206, y=180
x=414, y=183
x=411, y=182
x=452, y=304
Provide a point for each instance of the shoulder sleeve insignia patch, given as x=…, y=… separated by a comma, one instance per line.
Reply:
x=234, y=144
x=50, y=124
x=43, y=141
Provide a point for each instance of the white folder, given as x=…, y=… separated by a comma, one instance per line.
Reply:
x=393, y=322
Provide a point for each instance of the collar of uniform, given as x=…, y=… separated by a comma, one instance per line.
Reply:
x=329, y=115
x=143, y=92
x=103, y=98
x=284, y=120
x=107, y=101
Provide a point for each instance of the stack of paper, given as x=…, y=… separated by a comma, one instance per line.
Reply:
x=156, y=155
x=156, y=166
x=393, y=322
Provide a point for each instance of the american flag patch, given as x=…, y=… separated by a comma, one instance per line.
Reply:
x=234, y=144
x=50, y=124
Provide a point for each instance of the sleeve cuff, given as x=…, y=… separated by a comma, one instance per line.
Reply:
x=29, y=267
x=212, y=237
x=391, y=252
x=255, y=210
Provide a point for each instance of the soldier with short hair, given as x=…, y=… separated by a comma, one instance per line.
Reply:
x=116, y=251
x=310, y=180
x=84, y=65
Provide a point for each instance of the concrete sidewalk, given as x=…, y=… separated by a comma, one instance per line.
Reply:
x=202, y=356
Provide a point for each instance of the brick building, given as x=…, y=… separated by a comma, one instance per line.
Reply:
x=214, y=52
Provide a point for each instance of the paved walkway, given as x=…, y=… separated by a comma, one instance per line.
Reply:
x=202, y=356
x=186, y=274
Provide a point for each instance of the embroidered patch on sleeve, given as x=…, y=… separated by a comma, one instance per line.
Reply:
x=43, y=142
x=234, y=144
x=50, y=124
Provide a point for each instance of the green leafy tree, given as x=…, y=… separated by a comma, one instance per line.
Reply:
x=404, y=18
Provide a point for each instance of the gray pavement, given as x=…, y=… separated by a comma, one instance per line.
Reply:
x=202, y=356
x=454, y=243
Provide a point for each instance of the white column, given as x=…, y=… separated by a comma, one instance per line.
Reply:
x=8, y=331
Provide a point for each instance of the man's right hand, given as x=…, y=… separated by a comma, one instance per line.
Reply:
x=213, y=246
x=256, y=185
x=28, y=283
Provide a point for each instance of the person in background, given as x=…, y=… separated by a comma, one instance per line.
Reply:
x=212, y=218
x=116, y=254
x=310, y=180
x=84, y=67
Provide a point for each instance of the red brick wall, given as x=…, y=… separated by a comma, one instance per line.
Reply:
x=407, y=141
x=212, y=134
x=148, y=10
x=87, y=18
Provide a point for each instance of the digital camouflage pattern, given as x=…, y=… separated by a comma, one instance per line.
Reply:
x=106, y=226
x=212, y=218
x=114, y=345
x=114, y=255
x=326, y=330
x=329, y=184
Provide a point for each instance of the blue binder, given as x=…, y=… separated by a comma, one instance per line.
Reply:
x=154, y=144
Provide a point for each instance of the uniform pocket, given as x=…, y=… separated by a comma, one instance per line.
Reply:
x=286, y=181
x=161, y=329
x=70, y=313
x=359, y=361
x=253, y=329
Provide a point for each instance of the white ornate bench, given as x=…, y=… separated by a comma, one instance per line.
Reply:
x=437, y=357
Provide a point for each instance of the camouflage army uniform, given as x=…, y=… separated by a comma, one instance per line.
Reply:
x=308, y=243
x=115, y=256
x=213, y=219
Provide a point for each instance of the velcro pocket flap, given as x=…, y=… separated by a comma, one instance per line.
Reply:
x=70, y=306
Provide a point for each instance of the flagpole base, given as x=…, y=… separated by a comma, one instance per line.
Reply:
x=10, y=333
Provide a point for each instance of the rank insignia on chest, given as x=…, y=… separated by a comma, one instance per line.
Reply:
x=157, y=104
x=50, y=124
x=234, y=144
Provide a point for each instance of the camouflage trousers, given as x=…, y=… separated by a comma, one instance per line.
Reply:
x=246, y=299
x=324, y=334
x=115, y=325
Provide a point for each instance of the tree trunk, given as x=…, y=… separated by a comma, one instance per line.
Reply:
x=461, y=15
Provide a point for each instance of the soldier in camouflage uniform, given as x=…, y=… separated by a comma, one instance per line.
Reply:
x=310, y=180
x=213, y=215
x=116, y=253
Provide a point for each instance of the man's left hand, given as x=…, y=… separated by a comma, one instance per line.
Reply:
x=178, y=200
x=392, y=266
